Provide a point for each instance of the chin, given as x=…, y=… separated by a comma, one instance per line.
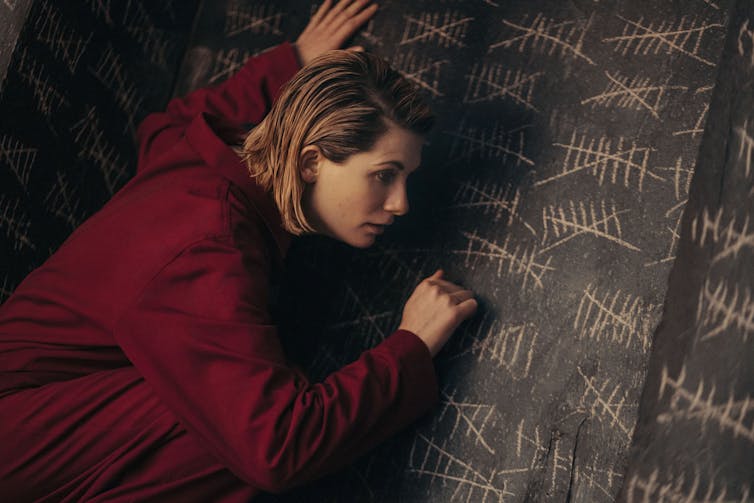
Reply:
x=363, y=244
x=362, y=241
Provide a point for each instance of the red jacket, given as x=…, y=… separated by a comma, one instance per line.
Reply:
x=139, y=362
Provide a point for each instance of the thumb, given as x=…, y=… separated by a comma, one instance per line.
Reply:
x=437, y=274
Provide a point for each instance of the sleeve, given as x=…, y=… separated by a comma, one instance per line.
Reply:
x=246, y=97
x=201, y=337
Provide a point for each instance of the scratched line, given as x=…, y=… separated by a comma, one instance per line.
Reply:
x=731, y=415
x=666, y=487
x=548, y=36
x=447, y=29
x=632, y=93
x=578, y=220
x=684, y=37
x=605, y=159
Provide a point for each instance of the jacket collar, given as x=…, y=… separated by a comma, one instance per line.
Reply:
x=207, y=135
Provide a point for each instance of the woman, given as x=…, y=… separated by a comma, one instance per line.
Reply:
x=140, y=363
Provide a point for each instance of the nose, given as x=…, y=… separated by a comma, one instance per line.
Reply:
x=397, y=200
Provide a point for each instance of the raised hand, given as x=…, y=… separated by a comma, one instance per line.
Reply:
x=331, y=26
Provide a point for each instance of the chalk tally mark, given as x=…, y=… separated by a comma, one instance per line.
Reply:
x=93, y=145
x=634, y=93
x=734, y=416
x=608, y=404
x=471, y=418
x=260, y=19
x=510, y=258
x=493, y=200
x=599, y=475
x=509, y=347
x=544, y=453
x=420, y=70
x=698, y=127
x=547, y=36
x=745, y=146
x=722, y=309
x=446, y=29
x=111, y=73
x=435, y=461
x=605, y=159
x=66, y=44
x=731, y=236
x=18, y=157
x=101, y=8
x=64, y=205
x=153, y=41
x=745, y=42
x=562, y=224
x=494, y=142
x=369, y=34
x=680, y=177
x=683, y=37
x=491, y=81
x=664, y=487
x=16, y=223
x=48, y=99
x=227, y=63
x=620, y=318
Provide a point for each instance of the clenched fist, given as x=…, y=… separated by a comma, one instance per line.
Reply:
x=435, y=310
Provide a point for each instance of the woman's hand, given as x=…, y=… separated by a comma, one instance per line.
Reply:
x=435, y=310
x=331, y=26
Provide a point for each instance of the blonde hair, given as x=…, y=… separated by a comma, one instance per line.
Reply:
x=341, y=102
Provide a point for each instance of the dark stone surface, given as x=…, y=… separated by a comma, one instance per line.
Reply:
x=696, y=435
x=553, y=186
x=81, y=77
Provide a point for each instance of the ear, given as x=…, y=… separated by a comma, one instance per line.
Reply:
x=309, y=161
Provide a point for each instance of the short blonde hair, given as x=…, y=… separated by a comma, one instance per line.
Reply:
x=341, y=102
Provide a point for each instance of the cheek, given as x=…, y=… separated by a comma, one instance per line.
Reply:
x=363, y=198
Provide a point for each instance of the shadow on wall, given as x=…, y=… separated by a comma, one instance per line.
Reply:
x=81, y=77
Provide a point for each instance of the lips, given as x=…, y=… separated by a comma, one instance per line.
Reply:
x=376, y=228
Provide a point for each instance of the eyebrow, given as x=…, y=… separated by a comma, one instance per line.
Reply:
x=397, y=164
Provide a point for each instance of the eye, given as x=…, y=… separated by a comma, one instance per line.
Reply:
x=387, y=177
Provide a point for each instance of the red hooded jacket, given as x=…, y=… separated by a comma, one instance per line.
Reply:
x=140, y=363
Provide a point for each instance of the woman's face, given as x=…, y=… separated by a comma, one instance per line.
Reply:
x=355, y=200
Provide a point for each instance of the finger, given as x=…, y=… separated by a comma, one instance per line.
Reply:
x=462, y=295
x=317, y=17
x=335, y=11
x=356, y=48
x=348, y=26
x=467, y=308
x=445, y=285
x=354, y=8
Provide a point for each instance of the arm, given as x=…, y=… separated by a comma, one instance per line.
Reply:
x=248, y=95
x=244, y=98
x=200, y=336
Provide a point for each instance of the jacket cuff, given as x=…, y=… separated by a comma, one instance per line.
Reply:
x=417, y=369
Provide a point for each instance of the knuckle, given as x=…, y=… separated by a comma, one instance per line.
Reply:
x=448, y=301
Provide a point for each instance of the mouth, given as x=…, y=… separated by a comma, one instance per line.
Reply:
x=376, y=228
